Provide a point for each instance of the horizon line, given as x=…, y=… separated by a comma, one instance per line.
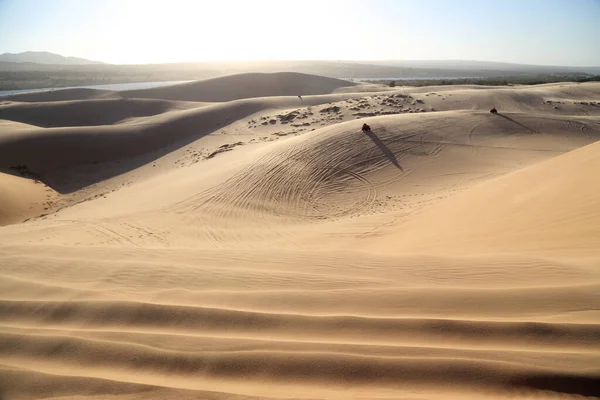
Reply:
x=348, y=60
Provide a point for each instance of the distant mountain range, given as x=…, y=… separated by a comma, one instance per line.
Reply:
x=43, y=60
x=44, y=57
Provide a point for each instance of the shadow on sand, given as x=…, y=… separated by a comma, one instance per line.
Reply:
x=518, y=123
x=388, y=153
x=104, y=152
x=568, y=384
x=70, y=180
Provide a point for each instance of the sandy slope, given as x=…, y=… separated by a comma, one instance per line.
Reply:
x=265, y=247
x=244, y=86
x=87, y=112
x=550, y=207
x=60, y=95
x=21, y=198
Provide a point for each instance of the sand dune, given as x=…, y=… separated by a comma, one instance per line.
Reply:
x=548, y=207
x=84, y=143
x=244, y=86
x=78, y=145
x=86, y=112
x=60, y=95
x=332, y=165
x=226, y=239
x=21, y=198
x=11, y=126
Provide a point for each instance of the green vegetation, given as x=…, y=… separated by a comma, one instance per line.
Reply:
x=494, y=81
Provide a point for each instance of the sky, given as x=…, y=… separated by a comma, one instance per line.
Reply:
x=544, y=32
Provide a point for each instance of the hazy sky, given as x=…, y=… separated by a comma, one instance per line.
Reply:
x=555, y=32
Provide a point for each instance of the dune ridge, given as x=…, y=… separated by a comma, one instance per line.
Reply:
x=241, y=86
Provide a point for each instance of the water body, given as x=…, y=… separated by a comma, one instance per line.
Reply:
x=114, y=86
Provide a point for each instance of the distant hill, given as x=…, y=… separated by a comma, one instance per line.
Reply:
x=44, y=57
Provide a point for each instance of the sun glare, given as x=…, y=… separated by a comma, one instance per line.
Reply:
x=185, y=30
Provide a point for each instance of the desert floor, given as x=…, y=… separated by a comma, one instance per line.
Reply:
x=242, y=238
